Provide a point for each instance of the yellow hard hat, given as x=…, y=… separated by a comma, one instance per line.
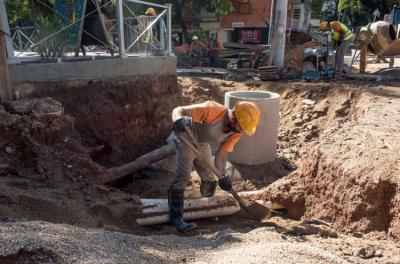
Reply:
x=247, y=115
x=150, y=11
x=324, y=25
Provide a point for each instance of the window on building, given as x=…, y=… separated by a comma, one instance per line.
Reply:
x=296, y=13
x=242, y=6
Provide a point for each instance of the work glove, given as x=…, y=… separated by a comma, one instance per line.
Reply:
x=225, y=183
x=180, y=124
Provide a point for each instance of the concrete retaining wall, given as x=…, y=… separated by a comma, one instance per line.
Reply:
x=123, y=105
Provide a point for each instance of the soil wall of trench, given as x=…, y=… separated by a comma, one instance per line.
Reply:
x=120, y=114
x=69, y=120
x=346, y=144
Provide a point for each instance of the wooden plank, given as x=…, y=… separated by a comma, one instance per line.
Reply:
x=267, y=67
x=268, y=72
x=234, y=45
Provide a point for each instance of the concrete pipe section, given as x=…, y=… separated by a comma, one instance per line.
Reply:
x=261, y=147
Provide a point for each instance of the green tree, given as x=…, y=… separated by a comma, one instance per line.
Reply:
x=316, y=6
x=361, y=10
x=220, y=7
x=24, y=11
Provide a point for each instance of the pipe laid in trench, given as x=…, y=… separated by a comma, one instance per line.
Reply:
x=116, y=173
x=155, y=211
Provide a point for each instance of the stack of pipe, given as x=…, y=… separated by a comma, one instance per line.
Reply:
x=155, y=211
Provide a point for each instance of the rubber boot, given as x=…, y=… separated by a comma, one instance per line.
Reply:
x=175, y=203
x=207, y=188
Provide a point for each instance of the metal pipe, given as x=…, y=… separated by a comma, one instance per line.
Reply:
x=120, y=16
x=271, y=22
x=19, y=39
x=6, y=28
x=169, y=26
x=148, y=3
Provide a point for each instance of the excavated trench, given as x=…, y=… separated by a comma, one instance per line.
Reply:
x=331, y=163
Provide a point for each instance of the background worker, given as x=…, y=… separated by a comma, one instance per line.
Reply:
x=196, y=51
x=342, y=38
x=211, y=123
x=149, y=38
x=214, y=47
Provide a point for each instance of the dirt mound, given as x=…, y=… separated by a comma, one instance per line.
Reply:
x=350, y=175
x=46, y=173
x=41, y=144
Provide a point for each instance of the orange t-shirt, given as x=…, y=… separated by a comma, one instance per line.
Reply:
x=210, y=112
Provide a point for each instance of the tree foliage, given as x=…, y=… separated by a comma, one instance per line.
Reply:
x=180, y=7
x=23, y=12
x=357, y=12
x=316, y=6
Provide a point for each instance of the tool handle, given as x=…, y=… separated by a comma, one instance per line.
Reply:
x=238, y=199
x=198, y=152
x=211, y=165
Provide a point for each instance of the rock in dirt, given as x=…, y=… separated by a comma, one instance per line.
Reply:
x=23, y=106
x=364, y=252
x=311, y=229
x=298, y=122
x=9, y=150
x=308, y=102
x=48, y=106
x=36, y=106
x=321, y=108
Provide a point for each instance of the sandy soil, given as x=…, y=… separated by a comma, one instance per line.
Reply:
x=41, y=242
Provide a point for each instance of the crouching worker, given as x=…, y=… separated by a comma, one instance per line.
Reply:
x=211, y=123
x=342, y=38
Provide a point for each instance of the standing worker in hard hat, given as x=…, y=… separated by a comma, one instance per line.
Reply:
x=211, y=123
x=196, y=51
x=149, y=37
x=214, y=48
x=342, y=38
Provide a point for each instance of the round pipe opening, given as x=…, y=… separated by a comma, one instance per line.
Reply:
x=254, y=95
x=259, y=148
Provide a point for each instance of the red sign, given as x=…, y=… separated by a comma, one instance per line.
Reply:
x=249, y=35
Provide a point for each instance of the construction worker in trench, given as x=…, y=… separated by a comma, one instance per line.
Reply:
x=211, y=123
x=342, y=38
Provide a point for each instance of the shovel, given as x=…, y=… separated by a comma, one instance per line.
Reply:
x=255, y=210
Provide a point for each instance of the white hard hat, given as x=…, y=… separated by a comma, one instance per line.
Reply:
x=195, y=38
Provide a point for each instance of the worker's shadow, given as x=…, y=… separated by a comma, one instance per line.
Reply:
x=260, y=176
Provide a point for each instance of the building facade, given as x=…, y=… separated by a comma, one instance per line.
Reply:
x=250, y=21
